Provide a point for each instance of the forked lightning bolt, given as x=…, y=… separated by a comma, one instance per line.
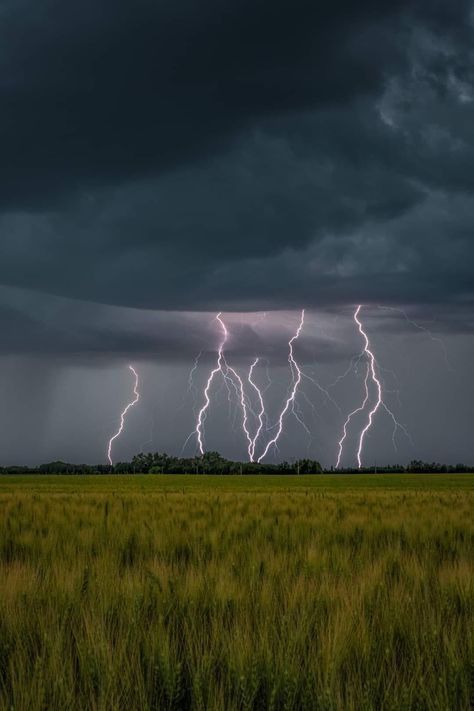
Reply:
x=243, y=404
x=207, y=401
x=351, y=415
x=296, y=376
x=375, y=379
x=371, y=374
x=261, y=412
x=231, y=377
x=124, y=413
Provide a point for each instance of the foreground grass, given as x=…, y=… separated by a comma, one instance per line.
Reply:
x=236, y=593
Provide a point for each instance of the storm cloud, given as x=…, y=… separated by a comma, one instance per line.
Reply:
x=161, y=162
x=237, y=155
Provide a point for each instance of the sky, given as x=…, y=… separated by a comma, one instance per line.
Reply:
x=163, y=162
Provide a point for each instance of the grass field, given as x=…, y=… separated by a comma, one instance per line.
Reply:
x=222, y=593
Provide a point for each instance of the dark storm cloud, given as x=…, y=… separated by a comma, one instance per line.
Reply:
x=101, y=92
x=238, y=155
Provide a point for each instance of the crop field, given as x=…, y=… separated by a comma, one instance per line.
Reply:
x=324, y=593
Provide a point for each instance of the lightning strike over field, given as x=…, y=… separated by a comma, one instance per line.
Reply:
x=207, y=401
x=371, y=374
x=375, y=380
x=291, y=398
x=351, y=415
x=243, y=404
x=124, y=413
x=231, y=378
x=261, y=412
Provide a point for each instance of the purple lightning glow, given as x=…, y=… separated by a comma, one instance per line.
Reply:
x=261, y=412
x=230, y=377
x=124, y=413
x=291, y=398
x=250, y=399
x=207, y=401
x=351, y=415
x=243, y=405
x=371, y=374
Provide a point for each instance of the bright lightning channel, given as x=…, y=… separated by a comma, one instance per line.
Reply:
x=291, y=397
x=231, y=377
x=124, y=413
x=243, y=404
x=350, y=416
x=207, y=401
x=261, y=412
x=371, y=374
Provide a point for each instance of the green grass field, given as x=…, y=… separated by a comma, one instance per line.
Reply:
x=222, y=593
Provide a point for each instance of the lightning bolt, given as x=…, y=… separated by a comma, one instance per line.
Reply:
x=243, y=404
x=296, y=379
x=261, y=412
x=371, y=374
x=234, y=384
x=230, y=377
x=207, y=401
x=124, y=413
x=351, y=415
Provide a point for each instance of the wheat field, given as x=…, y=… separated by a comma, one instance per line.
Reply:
x=220, y=593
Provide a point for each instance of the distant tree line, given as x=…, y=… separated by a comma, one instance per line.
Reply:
x=415, y=466
x=161, y=463
x=214, y=463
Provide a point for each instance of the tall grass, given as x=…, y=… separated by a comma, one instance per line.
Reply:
x=213, y=599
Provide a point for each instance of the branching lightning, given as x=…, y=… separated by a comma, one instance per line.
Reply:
x=261, y=412
x=246, y=393
x=351, y=415
x=243, y=404
x=371, y=374
x=292, y=395
x=353, y=363
x=124, y=413
x=231, y=379
x=207, y=401
x=323, y=390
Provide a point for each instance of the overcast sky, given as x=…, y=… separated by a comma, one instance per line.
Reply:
x=164, y=161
